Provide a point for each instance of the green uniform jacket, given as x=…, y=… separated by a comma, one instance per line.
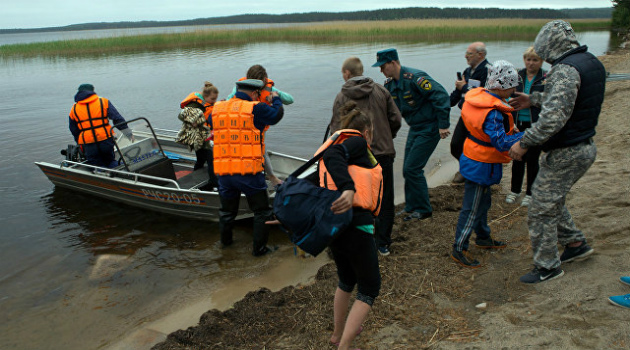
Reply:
x=422, y=101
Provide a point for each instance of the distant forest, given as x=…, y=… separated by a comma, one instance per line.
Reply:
x=385, y=14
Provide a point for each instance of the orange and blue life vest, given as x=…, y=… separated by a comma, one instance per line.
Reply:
x=90, y=114
x=239, y=146
x=479, y=102
x=368, y=182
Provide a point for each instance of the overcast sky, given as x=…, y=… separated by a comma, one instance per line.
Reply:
x=53, y=13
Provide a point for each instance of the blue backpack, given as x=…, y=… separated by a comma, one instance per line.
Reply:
x=304, y=211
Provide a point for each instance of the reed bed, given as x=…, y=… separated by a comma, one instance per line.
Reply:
x=423, y=30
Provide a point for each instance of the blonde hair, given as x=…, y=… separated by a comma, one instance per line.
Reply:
x=209, y=89
x=531, y=53
x=353, y=118
x=353, y=65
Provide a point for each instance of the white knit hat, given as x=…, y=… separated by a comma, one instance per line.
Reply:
x=502, y=75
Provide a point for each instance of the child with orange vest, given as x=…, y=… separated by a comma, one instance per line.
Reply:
x=488, y=118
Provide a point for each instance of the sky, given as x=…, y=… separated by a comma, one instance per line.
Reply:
x=55, y=13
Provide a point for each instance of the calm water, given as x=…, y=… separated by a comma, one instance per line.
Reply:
x=80, y=273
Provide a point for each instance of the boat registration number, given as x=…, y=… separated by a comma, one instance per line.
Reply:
x=171, y=196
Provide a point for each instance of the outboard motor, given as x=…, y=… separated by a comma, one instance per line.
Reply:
x=73, y=153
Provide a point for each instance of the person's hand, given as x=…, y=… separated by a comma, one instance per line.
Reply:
x=343, y=203
x=459, y=84
x=520, y=101
x=517, y=152
x=273, y=222
x=444, y=133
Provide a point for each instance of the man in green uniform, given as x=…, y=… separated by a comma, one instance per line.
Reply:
x=425, y=105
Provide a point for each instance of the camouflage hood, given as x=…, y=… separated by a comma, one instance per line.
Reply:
x=555, y=39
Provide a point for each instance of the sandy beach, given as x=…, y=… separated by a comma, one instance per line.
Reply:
x=429, y=302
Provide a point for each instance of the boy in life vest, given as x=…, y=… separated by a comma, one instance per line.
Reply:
x=488, y=118
x=259, y=72
x=89, y=124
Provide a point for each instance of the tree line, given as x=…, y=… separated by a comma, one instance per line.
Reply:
x=373, y=15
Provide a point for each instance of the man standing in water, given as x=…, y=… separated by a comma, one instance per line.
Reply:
x=376, y=102
x=474, y=75
x=570, y=107
x=239, y=147
x=424, y=104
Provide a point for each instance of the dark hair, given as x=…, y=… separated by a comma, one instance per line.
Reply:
x=257, y=72
x=353, y=118
x=209, y=89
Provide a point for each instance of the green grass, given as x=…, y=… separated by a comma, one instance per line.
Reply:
x=434, y=30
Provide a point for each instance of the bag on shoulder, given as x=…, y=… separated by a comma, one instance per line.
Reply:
x=304, y=211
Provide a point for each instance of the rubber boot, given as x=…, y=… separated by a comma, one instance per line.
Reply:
x=259, y=204
x=227, y=215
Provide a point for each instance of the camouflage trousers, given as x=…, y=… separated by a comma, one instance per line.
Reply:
x=548, y=219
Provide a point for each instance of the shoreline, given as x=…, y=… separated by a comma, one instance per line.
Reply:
x=428, y=302
x=429, y=30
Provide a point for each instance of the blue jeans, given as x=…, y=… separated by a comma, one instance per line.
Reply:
x=474, y=215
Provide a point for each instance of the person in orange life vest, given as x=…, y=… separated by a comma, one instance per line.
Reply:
x=259, y=72
x=195, y=131
x=238, y=158
x=354, y=250
x=488, y=118
x=90, y=127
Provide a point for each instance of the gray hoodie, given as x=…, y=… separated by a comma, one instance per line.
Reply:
x=376, y=102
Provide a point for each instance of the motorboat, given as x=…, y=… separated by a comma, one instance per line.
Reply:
x=154, y=173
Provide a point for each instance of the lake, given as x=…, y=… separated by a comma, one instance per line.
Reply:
x=82, y=273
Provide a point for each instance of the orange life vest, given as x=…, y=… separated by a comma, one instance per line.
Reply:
x=479, y=102
x=265, y=92
x=90, y=114
x=368, y=182
x=238, y=145
x=197, y=97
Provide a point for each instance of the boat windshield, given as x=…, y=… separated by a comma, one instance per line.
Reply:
x=139, y=150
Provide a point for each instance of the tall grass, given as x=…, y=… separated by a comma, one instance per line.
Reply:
x=429, y=30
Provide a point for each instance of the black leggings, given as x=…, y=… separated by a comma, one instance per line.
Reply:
x=354, y=252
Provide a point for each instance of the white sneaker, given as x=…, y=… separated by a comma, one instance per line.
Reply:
x=526, y=200
x=511, y=198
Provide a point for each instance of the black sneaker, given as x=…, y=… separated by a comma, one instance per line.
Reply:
x=489, y=243
x=463, y=260
x=417, y=215
x=539, y=274
x=578, y=253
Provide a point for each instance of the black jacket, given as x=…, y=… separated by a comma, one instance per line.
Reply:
x=480, y=73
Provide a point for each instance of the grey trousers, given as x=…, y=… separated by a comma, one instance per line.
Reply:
x=548, y=219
